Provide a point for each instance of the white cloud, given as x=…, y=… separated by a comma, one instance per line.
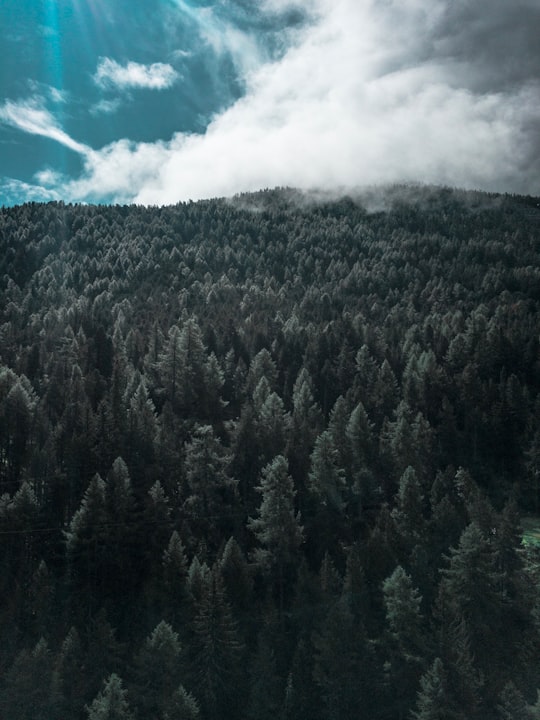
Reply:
x=365, y=96
x=57, y=96
x=118, y=171
x=30, y=117
x=18, y=192
x=49, y=178
x=157, y=76
x=106, y=107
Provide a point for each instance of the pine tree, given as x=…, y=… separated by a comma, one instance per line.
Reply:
x=405, y=645
x=306, y=424
x=266, y=688
x=216, y=654
x=69, y=677
x=175, y=570
x=512, y=705
x=277, y=527
x=359, y=433
x=182, y=706
x=327, y=502
x=237, y=577
x=341, y=664
x=157, y=517
x=157, y=668
x=302, y=698
x=470, y=591
x=327, y=478
x=408, y=514
x=28, y=692
x=169, y=364
x=212, y=490
x=111, y=703
x=86, y=545
x=141, y=428
x=433, y=702
x=272, y=427
x=337, y=428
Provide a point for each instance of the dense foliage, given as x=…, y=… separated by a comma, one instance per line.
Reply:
x=266, y=458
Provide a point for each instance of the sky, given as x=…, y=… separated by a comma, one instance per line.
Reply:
x=160, y=101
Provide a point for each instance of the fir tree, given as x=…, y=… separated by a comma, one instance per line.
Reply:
x=216, y=654
x=111, y=703
x=433, y=702
x=277, y=526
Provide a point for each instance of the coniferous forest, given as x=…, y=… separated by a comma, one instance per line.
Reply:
x=268, y=458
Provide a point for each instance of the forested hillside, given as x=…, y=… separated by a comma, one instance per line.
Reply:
x=266, y=458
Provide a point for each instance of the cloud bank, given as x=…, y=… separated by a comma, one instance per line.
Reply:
x=157, y=76
x=370, y=91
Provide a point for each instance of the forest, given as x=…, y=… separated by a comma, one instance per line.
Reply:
x=268, y=458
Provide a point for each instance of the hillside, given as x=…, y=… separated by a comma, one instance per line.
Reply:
x=281, y=432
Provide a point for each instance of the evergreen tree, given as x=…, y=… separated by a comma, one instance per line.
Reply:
x=157, y=668
x=69, y=677
x=277, y=527
x=433, y=702
x=182, y=706
x=408, y=514
x=120, y=555
x=237, y=577
x=470, y=591
x=266, y=688
x=212, y=490
x=359, y=432
x=272, y=427
x=216, y=654
x=327, y=478
x=302, y=698
x=341, y=664
x=86, y=546
x=512, y=704
x=175, y=570
x=28, y=692
x=111, y=703
x=405, y=640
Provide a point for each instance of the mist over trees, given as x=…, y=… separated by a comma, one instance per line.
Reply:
x=268, y=458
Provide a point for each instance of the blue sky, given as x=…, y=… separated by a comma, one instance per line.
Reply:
x=156, y=101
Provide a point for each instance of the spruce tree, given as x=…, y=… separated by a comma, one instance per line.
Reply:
x=111, y=703
x=277, y=526
x=28, y=688
x=157, y=669
x=216, y=654
x=342, y=668
x=433, y=702
x=404, y=641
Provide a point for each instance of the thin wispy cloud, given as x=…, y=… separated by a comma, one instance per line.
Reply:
x=105, y=106
x=133, y=75
x=30, y=117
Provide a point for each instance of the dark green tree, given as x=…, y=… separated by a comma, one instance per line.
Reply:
x=157, y=670
x=28, y=688
x=182, y=706
x=433, y=702
x=216, y=654
x=111, y=703
x=277, y=526
x=404, y=642
x=342, y=668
